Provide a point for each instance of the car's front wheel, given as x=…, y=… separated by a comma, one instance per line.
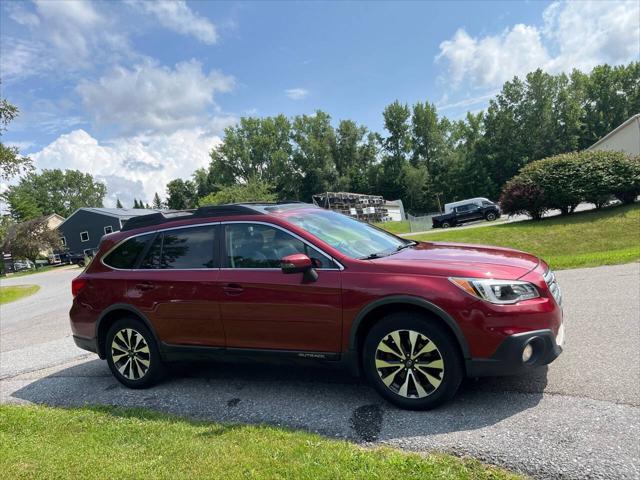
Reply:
x=490, y=216
x=412, y=361
x=132, y=354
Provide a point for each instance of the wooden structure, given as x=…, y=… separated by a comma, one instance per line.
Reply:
x=370, y=208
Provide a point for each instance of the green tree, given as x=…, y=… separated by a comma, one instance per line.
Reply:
x=118, y=203
x=253, y=191
x=31, y=238
x=397, y=146
x=313, y=166
x=53, y=191
x=11, y=162
x=157, y=203
x=135, y=203
x=255, y=148
x=181, y=194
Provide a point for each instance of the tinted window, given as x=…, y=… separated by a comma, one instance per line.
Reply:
x=463, y=208
x=261, y=246
x=183, y=249
x=152, y=257
x=126, y=254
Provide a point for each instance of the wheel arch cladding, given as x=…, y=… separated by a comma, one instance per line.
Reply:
x=382, y=307
x=113, y=314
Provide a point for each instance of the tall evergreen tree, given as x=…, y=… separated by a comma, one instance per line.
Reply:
x=118, y=203
x=157, y=203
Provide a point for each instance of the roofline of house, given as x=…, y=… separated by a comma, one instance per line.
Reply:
x=635, y=118
x=87, y=209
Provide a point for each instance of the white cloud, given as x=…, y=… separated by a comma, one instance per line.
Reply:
x=62, y=37
x=177, y=16
x=574, y=35
x=150, y=97
x=296, y=93
x=131, y=167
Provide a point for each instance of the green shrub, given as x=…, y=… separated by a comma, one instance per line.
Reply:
x=252, y=191
x=563, y=181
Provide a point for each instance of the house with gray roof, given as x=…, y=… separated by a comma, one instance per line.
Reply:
x=82, y=230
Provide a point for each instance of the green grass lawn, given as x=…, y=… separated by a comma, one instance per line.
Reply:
x=395, y=227
x=106, y=443
x=10, y=294
x=24, y=273
x=585, y=239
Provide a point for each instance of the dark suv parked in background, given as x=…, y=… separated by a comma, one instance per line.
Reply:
x=468, y=212
x=297, y=280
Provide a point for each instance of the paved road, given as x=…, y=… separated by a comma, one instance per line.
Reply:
x=578, y=418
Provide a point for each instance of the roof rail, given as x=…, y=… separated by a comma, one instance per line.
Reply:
x=171, y=215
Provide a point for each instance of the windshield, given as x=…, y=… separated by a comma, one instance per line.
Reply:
x=351, y=237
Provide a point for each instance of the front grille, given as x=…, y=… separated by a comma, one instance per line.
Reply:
x=554, y=288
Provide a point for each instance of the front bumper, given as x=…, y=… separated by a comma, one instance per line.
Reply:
x=507, y=360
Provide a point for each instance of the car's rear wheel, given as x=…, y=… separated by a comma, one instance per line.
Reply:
x=412, y=361
x=132, y=354
x=445, y=225
x=490, y=216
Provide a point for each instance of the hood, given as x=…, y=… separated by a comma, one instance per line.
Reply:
x=458, y=259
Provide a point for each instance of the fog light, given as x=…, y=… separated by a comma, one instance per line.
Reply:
x=527, y=353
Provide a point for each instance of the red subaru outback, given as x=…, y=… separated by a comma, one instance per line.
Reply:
x=297, y=280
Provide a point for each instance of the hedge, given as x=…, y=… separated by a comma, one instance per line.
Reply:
x=564, y=181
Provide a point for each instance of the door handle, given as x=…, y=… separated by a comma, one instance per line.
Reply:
x=145, y=286
x=233, y=289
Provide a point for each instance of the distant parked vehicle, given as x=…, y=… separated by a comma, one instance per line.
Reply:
x=480, y=201
x=470, y=211
x=21, y=265
x=54, y=259
x=73, y=259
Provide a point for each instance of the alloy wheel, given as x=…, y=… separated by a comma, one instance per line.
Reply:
x=130, y=354
x=409, y=364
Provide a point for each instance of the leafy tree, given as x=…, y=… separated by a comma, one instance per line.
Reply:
x=256, y=147
x=253, y=191
x=118, y=203
x=181, y=194
x=397, y=146
x=30, y=238
x=135, y=203
x=157, y=203
x=53, y=191
x=11, y=162
x=312, y=160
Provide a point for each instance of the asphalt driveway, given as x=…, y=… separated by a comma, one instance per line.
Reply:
x=578, y=418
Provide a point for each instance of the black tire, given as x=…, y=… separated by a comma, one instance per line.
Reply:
x=155, y=369
x=451, y=374
x=490, y=217
x=445, y=225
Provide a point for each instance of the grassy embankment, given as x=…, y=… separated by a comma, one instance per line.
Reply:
x=13, y=293
x=585, y=239
x=105, y=442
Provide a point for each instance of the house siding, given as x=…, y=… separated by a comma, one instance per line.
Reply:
x=86, y=221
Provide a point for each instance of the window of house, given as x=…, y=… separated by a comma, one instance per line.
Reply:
x=63, y=241
x=84, y=236
x=108, y=229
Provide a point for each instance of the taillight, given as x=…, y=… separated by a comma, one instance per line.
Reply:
x=77, y=284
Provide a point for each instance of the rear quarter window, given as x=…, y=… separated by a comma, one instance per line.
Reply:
x=126, y=254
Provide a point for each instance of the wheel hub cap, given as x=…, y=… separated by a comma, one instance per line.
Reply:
x=409, y=364
x=130, y=354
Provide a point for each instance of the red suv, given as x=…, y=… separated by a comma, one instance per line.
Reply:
x=296, y=280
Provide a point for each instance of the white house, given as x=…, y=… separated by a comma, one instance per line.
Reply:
x=625, y=138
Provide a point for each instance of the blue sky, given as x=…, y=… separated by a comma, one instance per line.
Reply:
x=137, y=93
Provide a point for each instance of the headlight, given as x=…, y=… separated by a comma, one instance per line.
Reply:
x=501, y=292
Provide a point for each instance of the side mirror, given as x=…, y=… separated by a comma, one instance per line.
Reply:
x=299, y=263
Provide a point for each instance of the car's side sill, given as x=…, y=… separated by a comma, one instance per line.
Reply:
x=179, y=353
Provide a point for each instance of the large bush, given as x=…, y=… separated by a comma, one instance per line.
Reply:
x=563, y=181
x=252, y=191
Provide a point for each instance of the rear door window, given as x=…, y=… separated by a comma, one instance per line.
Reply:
x=184, y=248
x=125, y=255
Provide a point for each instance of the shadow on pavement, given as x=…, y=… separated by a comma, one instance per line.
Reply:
x=303, y=395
